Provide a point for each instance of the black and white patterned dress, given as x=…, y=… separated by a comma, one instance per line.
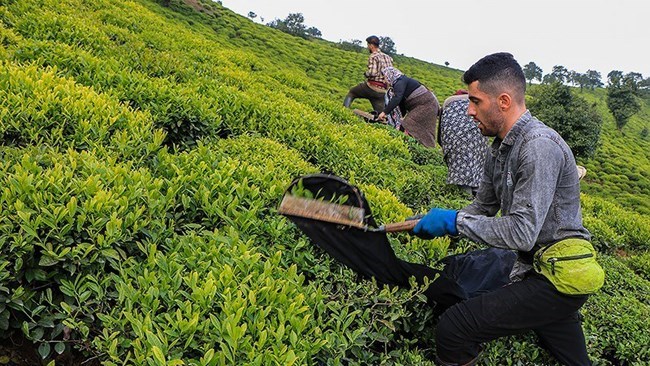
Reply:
x=463, y=145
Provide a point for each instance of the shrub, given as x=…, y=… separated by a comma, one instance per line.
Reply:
x=141, y=172
x=69, y=220
x=571, y=116
x=37, y=107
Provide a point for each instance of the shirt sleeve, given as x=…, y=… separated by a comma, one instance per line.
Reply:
x=398, y=89
x=535, y=183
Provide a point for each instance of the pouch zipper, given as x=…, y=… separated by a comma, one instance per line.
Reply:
x=552, y=260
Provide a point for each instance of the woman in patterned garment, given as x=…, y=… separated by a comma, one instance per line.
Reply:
x=463, y=145
x=418, y=105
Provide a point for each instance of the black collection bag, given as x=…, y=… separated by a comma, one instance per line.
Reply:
x=369, y=253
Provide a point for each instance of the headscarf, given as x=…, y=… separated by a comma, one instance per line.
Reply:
x=391, y=74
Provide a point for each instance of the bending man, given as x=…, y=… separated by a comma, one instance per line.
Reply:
x=374, y=88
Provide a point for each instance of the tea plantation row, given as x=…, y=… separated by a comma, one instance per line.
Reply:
x=144, y=151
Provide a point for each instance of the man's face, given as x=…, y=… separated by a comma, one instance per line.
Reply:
x=369, y=47
x=483, y=108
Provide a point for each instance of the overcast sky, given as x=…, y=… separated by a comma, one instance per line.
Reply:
x=577, y=34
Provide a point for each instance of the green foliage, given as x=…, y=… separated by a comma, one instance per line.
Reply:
x=571, y=116
x=622, y=305
x=623, y=105
x=141, y=175
x=532, y=72
x=640, y=264
x=37, y=107
x=620, y=169
x=387, y=45
x=351, y=45
x=69, y=218
x=211, y=299
x=613, y=227
x=294, y=24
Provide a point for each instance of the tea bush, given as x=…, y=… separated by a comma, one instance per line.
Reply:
x=210, y=299
x=617, y=318
x=615, y=227
x=623, y=155
x=145, y=150
x=37, y=107
x=68, y=219
x=640, y=264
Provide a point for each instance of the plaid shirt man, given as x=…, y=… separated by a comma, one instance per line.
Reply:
x=376, y=62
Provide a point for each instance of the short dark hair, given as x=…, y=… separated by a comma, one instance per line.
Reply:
x=496, y=73
x=373, y=40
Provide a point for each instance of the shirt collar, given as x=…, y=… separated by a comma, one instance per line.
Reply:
x=517, y=129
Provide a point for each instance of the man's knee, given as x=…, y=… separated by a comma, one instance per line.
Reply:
x=358, y=91
x=453, y=344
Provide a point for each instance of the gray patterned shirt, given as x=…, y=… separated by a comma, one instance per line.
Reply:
x=463, y=145
x=531, y=178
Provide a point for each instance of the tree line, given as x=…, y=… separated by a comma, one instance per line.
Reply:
x=294, y=24
x=623, y=90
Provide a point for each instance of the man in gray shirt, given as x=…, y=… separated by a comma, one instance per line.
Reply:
x=529, y=176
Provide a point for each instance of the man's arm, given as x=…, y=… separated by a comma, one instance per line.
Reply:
x=398, y=89
x=541, y=161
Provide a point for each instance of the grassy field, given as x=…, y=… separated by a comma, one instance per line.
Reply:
x=144, y=151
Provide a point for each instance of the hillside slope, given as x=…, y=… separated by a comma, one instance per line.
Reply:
x=621, y=165
x=144, y=152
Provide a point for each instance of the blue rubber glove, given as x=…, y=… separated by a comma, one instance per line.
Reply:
x=437, y=222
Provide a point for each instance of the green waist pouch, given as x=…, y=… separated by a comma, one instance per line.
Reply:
x=571, y=266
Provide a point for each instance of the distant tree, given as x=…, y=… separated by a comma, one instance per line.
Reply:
x=594, y=79
x=313, y=32
x=252, y=15
x=621, y=99
x=615, y=78
x=446, y=63
x=560, y=73
x=581, y=80
x=572, y=77
x=387, y=45
x=644, y=87
x=632, y=80
x=532, y=72
x=294, y=24
x=549, y=79
x=352, y=45
x=577, y=121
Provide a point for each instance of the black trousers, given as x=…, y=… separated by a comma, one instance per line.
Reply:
x=531, y=304
x=362, y=90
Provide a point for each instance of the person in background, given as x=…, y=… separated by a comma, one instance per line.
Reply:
x=374, y=88
x=463, y=145
x=530, y=177
x=417, y=104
